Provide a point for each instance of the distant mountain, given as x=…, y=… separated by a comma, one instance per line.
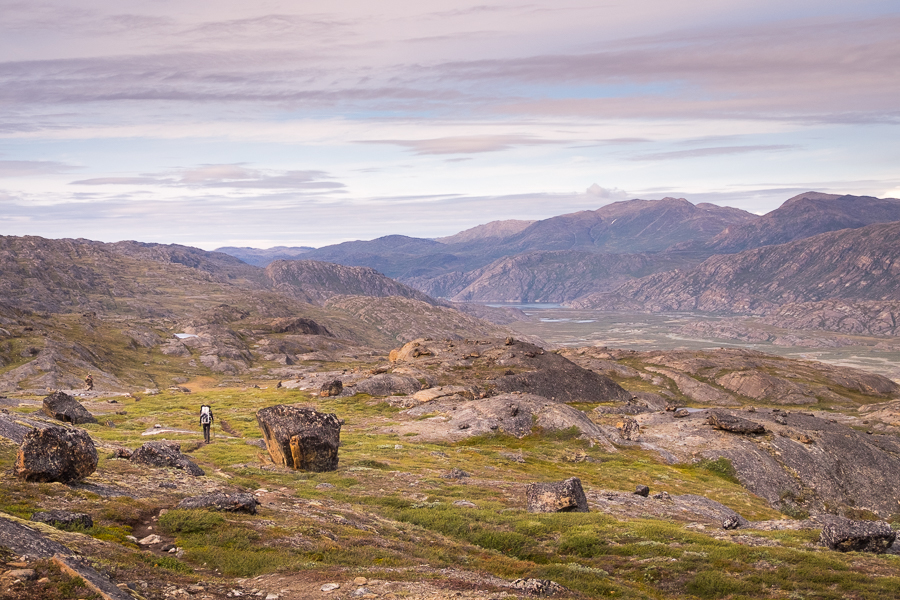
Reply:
x=850, y=265
x=556, y=276
x=631, y=226
x=803, y=216
x=634, y=226
x=315, y=281
x=495, y=230
x=261, y=257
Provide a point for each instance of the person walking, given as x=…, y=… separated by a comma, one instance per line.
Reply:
x=206, y=419
x=89, y=382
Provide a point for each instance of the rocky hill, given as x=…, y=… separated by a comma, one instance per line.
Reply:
x=489, y=232
x=261, y=257
x=315, y=281
x=556, y=276
x=850, y=265
x=803, y=216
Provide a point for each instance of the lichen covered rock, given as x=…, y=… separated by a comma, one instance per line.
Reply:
x=557, y=496
x=301, y=438
x=63, y=407
x=165, y=454
x=56, y=454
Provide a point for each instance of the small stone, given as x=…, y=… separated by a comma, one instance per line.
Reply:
x=330, y=587
x=360, y=592
x=681, y=413
x=325, y=486
x=195, y=589
x=642, y=490
x=22, y=574
x=360, y=581
x=150, y=540
x=731, y=523
x=465, y=504
x=271, y=596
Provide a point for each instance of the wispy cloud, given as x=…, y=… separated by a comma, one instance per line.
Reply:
x=713, y=151
x=234, y=176
x=465, y=144
x=28, y=168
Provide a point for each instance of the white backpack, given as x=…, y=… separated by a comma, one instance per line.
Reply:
x=205, y=415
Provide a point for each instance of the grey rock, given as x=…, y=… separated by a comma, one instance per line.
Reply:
x=63, y=519
x=22, y=574
x=388, y=384
x=629, y=429
x=56, y=454
x=846, y=535
x=301, y=438
x=241, y=502
x=728, y=422
x=455, y=473
x=537, y=587
x=642, y=490
x=559, y=496
x=65, y=408
x=331, y=388
x=165, y=454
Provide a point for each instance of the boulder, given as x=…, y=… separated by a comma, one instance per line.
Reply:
x=629, y=429
x=557, y=496
x=846, y=535
x=331, y=388
x=301, y=438
x=56, y=454
x=241, y=502
x=388, y=384
x=63, y=519
x=165, y=454
x=65, y=408
x=728, y=422
x=642, y=490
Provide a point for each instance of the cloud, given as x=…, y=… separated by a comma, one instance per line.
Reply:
x=28, y=168
x=714, y=151
x=234, y=176
x=465, y=144
x=611, y=193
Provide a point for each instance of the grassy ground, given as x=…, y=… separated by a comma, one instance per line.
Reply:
x=387, y=511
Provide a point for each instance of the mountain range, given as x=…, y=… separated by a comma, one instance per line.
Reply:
x=654, y=254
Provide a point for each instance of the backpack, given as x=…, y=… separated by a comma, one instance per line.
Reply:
x=205, y=415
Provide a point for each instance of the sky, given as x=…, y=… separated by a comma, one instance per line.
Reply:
x=289, y=123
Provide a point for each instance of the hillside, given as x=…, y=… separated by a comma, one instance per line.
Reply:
x=315, y=281
x=803, y=216
x=261, y=257
x=556, y=276
x=489, y=232
x=849, y=265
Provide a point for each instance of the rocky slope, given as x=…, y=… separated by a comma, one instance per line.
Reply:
x=803, y=216
x=557, y=276
x=314, y=281
x=261, y=257
x=489, y=232
x=850, y=265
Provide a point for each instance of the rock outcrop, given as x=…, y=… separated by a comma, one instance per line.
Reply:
x=165, y=454
x=301, y=438
x=56, y=454
x=729, y=422
x=240, y=502
x=64, y=519
x=846, y=535
x=558, y=496
x=63, y=407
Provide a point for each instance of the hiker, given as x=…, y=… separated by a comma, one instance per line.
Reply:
x=89, y=382
x=206, y=419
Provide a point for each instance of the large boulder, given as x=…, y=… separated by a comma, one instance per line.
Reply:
x=557, y=496
x=241, y=502
x=165, y=454
x=56, y=454
x=63, y=407
x=846, y=535
x=729, y=422
x=301, y=438
x=564, y=382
